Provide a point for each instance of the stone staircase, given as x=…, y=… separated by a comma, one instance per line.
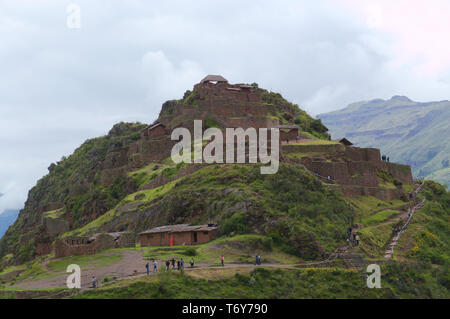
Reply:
x=390, y=251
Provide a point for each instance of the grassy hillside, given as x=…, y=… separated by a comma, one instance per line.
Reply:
x=408, y=132
x=401, y=281
x=420, y=268
x=291, y=218
x=292, y=207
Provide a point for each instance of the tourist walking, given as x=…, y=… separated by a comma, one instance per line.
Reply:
x=192, y=262
x=167, y=265
x=147, y=267
x=173, y=263
x=357, y=240
x=94, y=282
x=178, y=265
x=182, y=263
x=155, y=266
x=222, y=260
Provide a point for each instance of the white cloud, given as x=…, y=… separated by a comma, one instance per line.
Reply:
x=60, y=86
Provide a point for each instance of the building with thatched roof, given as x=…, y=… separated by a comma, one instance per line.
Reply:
x=214, y=78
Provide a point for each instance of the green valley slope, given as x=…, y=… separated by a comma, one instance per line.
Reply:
x=413, y=133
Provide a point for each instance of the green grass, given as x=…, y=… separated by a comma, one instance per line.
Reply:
x=236, y=249
x=147, y=173
x=34, y=271
x=148, y=196
x=374, y=239
x=398, y=281
x=317, y=142
x=54, y=213
x=260, y=283
x=380, y=217
x=10, y=269
x=95, y=261
x=365, y=205
x=305, y=154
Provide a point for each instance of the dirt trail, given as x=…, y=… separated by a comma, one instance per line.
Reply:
x=131, y=264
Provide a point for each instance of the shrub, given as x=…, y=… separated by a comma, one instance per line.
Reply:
x=190, y=252
x=237, y=224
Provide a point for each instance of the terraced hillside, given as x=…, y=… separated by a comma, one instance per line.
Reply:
x=297, y=219
x=409, y=132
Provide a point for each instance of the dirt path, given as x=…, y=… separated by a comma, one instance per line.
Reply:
x=131, y=264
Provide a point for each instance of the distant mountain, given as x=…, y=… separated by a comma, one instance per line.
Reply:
x=408, y=132
x=6, y=219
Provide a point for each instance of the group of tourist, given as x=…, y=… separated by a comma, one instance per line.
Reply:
x=179, y=264
x=155, y=267
x=172, y=263
x=385, y=158
x=352, y=236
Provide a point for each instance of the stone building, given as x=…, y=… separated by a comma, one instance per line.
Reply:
x=73, y=246
x=182, y=234
x=154, y=131
x=289, y=133
x=84, y=245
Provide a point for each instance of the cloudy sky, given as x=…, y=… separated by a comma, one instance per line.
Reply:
x=60, y=85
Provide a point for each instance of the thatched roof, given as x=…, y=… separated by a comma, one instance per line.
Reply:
x=345, y=141
x=214, y=78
